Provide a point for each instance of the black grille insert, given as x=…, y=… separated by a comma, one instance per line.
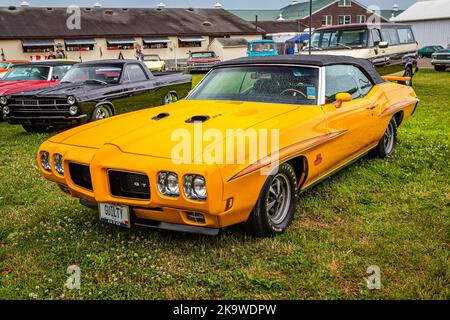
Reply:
x=129, y=185
x=80, y=175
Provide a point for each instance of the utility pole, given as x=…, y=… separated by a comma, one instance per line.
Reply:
x=310, y=26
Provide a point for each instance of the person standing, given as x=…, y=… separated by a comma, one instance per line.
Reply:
x=138, y=54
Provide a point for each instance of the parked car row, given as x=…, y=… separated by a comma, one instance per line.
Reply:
x=60, y=94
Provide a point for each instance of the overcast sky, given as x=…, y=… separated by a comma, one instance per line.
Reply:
x=228, y=4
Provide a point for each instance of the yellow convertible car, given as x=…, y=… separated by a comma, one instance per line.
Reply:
x=239, y=149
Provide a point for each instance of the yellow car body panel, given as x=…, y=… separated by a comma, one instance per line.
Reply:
x=326, y=137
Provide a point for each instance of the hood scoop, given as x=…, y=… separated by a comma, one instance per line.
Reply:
x=161, y=116
x=196, y=119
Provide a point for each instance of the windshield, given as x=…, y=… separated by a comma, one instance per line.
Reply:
x=151, y=58
x=202, y=55
x=99, y=73
x=60, y=71
x=339, y=39
x=4, y=65
x=290, y=85
x=263, y=47
x=27, y=73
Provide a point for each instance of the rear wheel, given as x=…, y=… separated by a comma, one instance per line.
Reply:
x=386, y=145
x=408, y=73
x=34, y=128
x=101, y=112
x=170, y=98
x=276, y=204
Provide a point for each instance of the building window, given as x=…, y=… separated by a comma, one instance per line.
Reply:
x=345, y=3
x=361, y=19
x=80, y=45
x=156, y=43
x=120, y=44
x=345, y=19
x=327, y=20
x=190, y=42
x=30, y=46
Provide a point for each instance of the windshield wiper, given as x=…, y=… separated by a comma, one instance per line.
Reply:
x=96, y=81
x=343, y=45
x=66, y=82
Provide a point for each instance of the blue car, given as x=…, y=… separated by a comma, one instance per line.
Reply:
x=262, y=48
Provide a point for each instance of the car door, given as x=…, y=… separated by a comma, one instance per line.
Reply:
x=354, y=120
x=137, y=89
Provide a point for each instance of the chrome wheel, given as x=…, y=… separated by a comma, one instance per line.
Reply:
x=170, y=98
x=389, y=138
x=279, y=199
x=408, y=73
x=101, y=112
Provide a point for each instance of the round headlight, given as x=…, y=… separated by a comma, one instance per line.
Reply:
x=195, y=187
x=71, y=100
x=168, y=184
x=6, y=110
x=73, y=110
x=3, y=101
x=58, y=162
x=45, y=161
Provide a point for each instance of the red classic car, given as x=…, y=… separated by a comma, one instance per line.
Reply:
x=201, y=61
x=31, y=76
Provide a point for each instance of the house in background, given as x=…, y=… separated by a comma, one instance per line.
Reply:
x=430, y=21
x=110, y=33
x=325, y=13
x=229, y=48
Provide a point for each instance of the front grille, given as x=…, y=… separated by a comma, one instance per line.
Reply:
x=38, y=104
x=131, y=185
x=203, y=64
x=80, y=175
x=442, y=57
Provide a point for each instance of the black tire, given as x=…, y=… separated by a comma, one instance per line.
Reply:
x=262, y=222
x=33, y=128
x=439, y=68
x=101, y=112
x=408, y=73
x=386, y=145
x=171, y=97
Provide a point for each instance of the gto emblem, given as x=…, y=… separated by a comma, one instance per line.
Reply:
x=139, y=185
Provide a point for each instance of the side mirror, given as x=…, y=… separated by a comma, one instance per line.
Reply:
x=383, y=44
x=55, y=78
x=342, y=97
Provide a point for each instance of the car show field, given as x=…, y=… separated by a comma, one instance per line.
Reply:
x=391, y=213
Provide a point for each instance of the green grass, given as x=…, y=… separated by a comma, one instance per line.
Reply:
x=391, y=213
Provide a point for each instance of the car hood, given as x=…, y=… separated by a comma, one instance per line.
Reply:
x=65, y=89
x=10, y=87
x=138, y=133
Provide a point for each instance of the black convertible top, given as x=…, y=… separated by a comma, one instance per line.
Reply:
x=308, y=60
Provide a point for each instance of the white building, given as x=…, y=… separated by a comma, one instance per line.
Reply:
x=430, y=20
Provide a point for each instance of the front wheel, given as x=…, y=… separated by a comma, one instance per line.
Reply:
x=439, y=68
x=276, y=204
x=386, y=145
x=34, y=128
x=101, y=112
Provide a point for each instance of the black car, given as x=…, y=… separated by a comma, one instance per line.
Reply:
x=95, y=90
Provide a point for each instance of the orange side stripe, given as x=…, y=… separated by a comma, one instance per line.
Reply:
x=287, y=153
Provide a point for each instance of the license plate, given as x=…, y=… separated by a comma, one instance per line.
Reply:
x=115, y=214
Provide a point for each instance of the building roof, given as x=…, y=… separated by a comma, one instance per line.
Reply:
x=313, y=60
x=281, y=26
x=103, y=22
x=301, y=10
x=388, y=14
x=426, y=10
x=263, y=15
x=232, y=42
